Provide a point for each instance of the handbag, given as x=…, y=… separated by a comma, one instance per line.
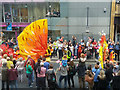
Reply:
x=89, y=79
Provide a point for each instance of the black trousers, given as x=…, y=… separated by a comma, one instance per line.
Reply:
x=41, y=83
x=60, y=54
x=117, y=51
x=3, y=85
x=70, y=77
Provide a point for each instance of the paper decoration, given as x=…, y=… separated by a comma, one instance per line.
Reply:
x=33, y=40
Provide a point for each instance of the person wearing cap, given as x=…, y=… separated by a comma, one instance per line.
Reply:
x=41, y=74
x=81, y=68
x=5, y=76
x=29, y=71
x=13, y=75
x=20, y=68
x=9, y=63
x=63, y=71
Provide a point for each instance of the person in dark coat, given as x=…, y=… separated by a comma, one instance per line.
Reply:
x=5, y=76
x=102, y=82
x=116, y=82
x=81, y=71
x=109, y=75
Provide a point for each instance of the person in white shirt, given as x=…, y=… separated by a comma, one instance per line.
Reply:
x=20, y=68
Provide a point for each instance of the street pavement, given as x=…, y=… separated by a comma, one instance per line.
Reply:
x=24, y=83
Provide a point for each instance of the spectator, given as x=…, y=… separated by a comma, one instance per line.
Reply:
x=4, y=59
x=63, y=71
x=47, y=64
x=81, y=71
x=89, y=77
x=96, y=72
x=60, y=45
x=41, y=76
x=32, y=63
x=102, y=82
x=20, y=68
x=116, y=82
x=51, y=77
x=111, y=47
x=5, y=76
x=36, y=66
x=9, y=63
x=76, y=51
x=109, y=75
x=72, y=50
x=0, y=62
x=71, y=73
x=117, y=49
x=13, y=75
x=29, y=71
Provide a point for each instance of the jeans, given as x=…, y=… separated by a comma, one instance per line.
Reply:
x=65, y=81
x=13, y=84
x=32, y=75
x=3, y=85
x=29, y=76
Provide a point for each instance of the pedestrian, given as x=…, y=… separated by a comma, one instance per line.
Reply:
x=4, y=59
x=20, y=68
x=5, y=80
x=47, y=64
x=41, y=80
x=102, y=82
x=81, y=71
x=13, y=75
x=32, y=63
x=76, y=51
x=29, y=72
x=89, y=77
x=96, y=72
x=9, y=63
x=71, y=73
x=117, y=49
x=116, y=82
x=109, y=75
x=51, y=78
x=35, y=68
x=63, y=71
x=60, y=45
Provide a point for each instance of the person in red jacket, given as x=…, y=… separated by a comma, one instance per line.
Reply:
x=32, y=64
x=79, y=51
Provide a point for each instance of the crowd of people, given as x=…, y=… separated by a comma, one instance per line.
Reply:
x=97, y=77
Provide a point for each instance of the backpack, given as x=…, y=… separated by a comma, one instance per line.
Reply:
x=72, y=70
x=51, y=76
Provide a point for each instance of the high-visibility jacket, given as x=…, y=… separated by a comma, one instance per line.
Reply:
x=68, y=54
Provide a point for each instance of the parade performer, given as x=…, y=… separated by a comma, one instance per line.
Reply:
x=48, y=54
